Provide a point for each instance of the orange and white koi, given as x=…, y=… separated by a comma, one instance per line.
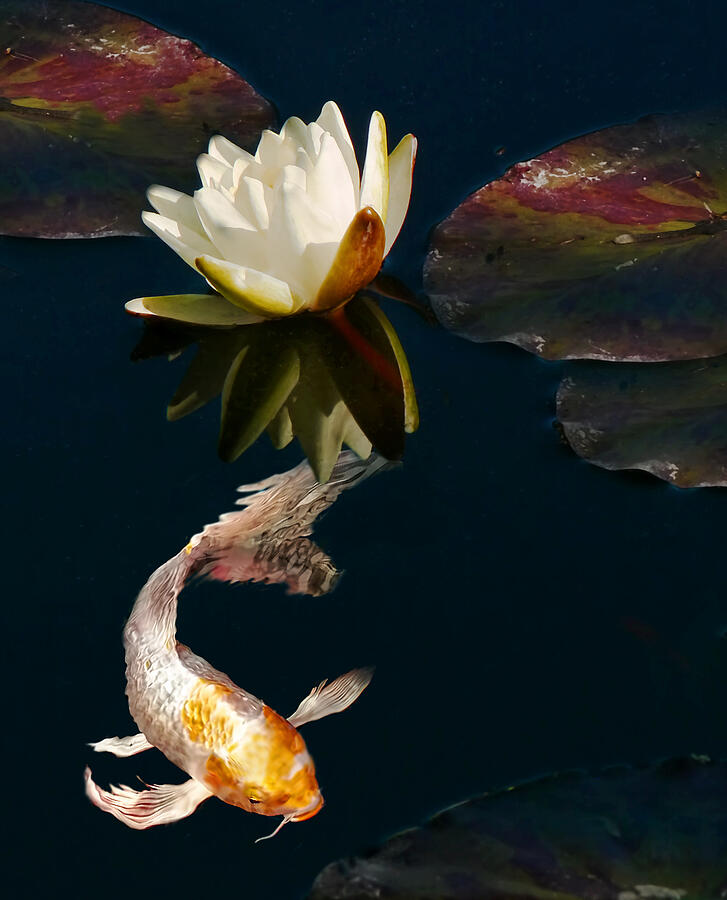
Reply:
x=233, y=745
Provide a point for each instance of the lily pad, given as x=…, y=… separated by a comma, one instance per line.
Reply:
x=669, y=419
x=623, y=834
x=96, y=105
x=611, y=246
x=327, y=380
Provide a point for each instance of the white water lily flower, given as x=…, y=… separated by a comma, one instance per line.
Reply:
x=290, y=229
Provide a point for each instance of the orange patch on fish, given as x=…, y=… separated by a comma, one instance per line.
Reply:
x=264, y=771
x=204, y=715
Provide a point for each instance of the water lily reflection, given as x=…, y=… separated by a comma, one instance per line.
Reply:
x=329, y=381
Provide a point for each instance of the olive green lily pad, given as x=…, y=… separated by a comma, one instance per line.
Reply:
x=669, y=419
x=623, y=834
x=611, y=246
x=96, y=105
x=341, y=378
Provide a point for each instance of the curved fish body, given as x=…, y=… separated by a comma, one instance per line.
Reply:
x=233, y=745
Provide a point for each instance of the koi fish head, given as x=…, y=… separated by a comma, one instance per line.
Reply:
x=266, y=769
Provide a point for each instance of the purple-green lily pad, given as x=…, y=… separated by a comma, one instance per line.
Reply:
x=611, y=246
x=669, y=419
x=623, y=834
x=96, y=105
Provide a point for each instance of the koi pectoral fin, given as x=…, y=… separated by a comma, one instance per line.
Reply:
x=159, y=805
x=126, y=746
x=327, y=699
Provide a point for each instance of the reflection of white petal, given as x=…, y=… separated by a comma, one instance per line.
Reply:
x=187, y=243
x=356, y=439
x=257, y=292
x=329, y=184
x=401, y=164
x=175, y=205
x=375, y=178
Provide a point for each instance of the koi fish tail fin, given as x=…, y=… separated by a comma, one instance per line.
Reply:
x=267, y=540
x=294, y=499
x=291, y=501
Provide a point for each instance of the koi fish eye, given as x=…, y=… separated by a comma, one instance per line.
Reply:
x=254, y=800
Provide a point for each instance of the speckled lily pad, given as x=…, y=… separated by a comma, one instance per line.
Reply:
x=669, y=419
x=96, y=105
x=623, y=834
x=327, y=380
x=611, y=246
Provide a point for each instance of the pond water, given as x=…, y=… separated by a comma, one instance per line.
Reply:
x=526, y=612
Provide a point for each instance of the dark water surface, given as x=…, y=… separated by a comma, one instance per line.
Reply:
x=525, y=611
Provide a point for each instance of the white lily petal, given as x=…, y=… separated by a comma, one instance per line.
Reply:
x=234, y=236
x=212, y=172
x=315, y=136
x=291, y=175
x=329, y=184
x=295, y=132
x=358, y=259
x=175, y=205
x=273, y=152
x=295, y=224
x=318, y=258
x=332, y=121
x=401, y=166
x=256, y=292
x=292, y=226
x=227, y=152
x=375, y=178
x=185, y=242
x=251, y=200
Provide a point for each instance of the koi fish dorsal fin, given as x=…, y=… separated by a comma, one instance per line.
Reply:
x=327, y=699
x=159, y=805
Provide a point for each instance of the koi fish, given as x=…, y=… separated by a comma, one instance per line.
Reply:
x=231, y=744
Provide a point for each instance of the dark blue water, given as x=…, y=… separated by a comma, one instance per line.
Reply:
x=488, y=579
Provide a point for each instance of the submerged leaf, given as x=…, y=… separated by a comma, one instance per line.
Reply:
x=669, y=419
x=623, y=834
x=96, y=105
x=611, y=246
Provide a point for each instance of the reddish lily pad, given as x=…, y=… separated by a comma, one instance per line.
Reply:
x=96, y=105
x=622, y=834
x=669, y=419
x=611, y=246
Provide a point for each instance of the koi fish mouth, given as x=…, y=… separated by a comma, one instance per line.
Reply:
x=309, y=813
